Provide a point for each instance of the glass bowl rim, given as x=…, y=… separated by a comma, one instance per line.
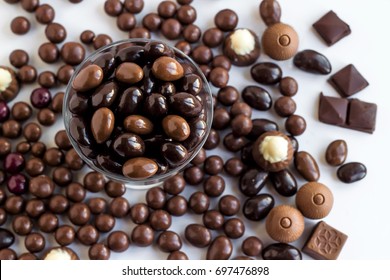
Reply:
x=154, y=180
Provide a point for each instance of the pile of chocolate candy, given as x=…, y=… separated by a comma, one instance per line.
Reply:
x=40, y=195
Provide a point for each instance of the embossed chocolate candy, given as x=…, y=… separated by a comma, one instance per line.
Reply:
x=285, y=224
x=312, y=62
x=314, y=200
x=325, y=242
x=280, y=41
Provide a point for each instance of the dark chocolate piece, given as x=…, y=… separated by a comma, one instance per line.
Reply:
x=325, y=242
x=331, y=28
x=348, y=81
x=349, y=113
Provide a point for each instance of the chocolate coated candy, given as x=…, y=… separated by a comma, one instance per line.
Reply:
x=307, y=166
x=192, y=84
x=257, y=98
x=252, y=181
x=352, y=172
x=138, y=124
x=108, y=164
x=167, y=69
x=78, y=104
x=257, y=208
x=260, y=126
x=102, y=124
x=198, y=235
x=284, y=182
x=79, y=131
x=336, y=152
x=185, y=104
x=129, y=101
x=266, y=73
x=156, y=105
x=174, y=153
x=128, y=145
x=270, y=11
x=281, y=251
x=129, y=73
x=139, y=168
x=176, y=127
x=198, y=130
x=88, y=78
x=135, y=54
x=220, y=249
x=312, y=62
x=105, y=95
x=106, y=61
x=6, y=238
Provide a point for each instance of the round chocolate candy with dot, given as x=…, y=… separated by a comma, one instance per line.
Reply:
x=314, y=200
x=280, y=41
x=285, y=223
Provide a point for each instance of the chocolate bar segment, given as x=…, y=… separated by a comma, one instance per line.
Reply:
x=348, y=81
x=333, y=110
x=331, y=28
x=325, y=242
x=348, y=113
x=361, y=116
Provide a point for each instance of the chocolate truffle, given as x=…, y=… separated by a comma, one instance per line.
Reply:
x=280, y=41
x=242, y=47
x=273, y=151
x=314, y=200
x=285, y=224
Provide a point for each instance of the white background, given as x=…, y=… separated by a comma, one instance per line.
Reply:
x=361, y=210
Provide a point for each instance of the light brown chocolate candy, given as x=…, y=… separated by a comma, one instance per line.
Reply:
x=176, y=127
x=138, y=124
x=307, y=166
x=285, y=224
x=280, y=41
x=336, y=152
x=139, y=168
x=167, y=69
x=314, y=200
x=88, y=78
x=129, y=73
x=102, y=124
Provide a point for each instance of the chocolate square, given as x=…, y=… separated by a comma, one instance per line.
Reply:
x=348, y=81
x=333, y=110
x=331, y=28
x=325, y=242
x=362, y=116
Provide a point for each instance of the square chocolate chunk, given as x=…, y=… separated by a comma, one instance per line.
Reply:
x=361, y=116
x=325, y=242
x=348, y=81
x=333, y=110
x=331, y=28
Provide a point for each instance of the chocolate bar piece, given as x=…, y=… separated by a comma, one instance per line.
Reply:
x=331, y=28
x=333, y=110
x=348, y=81
x=349, y=113
x=325, y=242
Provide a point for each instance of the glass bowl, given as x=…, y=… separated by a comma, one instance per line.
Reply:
x=77, y=114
